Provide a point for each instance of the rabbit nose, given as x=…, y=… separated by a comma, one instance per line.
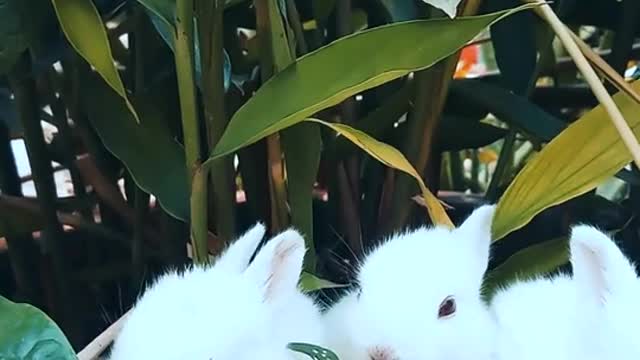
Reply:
x=381, y=353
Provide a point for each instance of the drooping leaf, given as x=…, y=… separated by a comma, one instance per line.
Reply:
x=393, y=158
x=335, y=72
x=310, y=282
x=29, y=334
x=575, y=162
x=82, y=25
x=148, y=150
x=515, y=110
x=313, y=351
x=535, y=260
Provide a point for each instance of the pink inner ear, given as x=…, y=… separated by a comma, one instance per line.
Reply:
x=597, y=274
x=283, y=253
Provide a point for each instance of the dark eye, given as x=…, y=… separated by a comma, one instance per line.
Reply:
x=447, y=307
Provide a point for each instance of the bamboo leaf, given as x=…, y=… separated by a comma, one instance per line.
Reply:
x=82, y=25
x=156, y=161
x=335, y=72
x=580, y=158
x=27, y=333
x=391, y=157
x=310, y=282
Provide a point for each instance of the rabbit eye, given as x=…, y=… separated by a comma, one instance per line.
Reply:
x=447, y=307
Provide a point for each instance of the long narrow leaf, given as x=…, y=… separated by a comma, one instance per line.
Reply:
x=335, y=72
x=82, y=25
x=580, y=158
x=391, y=157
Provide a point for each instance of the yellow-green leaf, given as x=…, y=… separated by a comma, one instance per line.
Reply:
x=335, y=72
x=576, y=161
x=391, y=157
x=82, y=25
x=310, y=282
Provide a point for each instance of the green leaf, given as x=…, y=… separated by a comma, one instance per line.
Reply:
x=580, y=158
x=310, y=282
x=335, y=72
x=535, y=260
x=29, y=334
x=82, y=25
x=313, y=351
x=148, y=150
x=163, y=9
x=393, y=158
x=459, y=133
x=302, y=145
x=166, y=32
x=515, y=110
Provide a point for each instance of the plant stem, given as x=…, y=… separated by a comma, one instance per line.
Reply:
x=191, y=127
x=592, y=79
x=210, y=31
x=199, y=217
x=25, y=94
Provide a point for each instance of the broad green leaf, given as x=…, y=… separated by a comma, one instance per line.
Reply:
x=148, y=150
x=331, y=74
x=393, y=158
x=580, y=158
x=310, y=282
x=313, y=351
x=515, y=110
x=538, y=259
x=29, y=334
x=82, y=25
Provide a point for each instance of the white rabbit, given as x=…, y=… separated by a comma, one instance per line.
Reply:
x=419, y=298
x=589, y=316
x=231, y=311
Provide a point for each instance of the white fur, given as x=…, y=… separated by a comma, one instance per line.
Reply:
x=589, y=316
x=403, y=283
x=230, y=311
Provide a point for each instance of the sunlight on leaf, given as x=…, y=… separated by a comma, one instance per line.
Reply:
x=580, y=158
x=310, y=282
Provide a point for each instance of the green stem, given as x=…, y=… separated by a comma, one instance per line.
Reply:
x=199, y=218
x=185, y=67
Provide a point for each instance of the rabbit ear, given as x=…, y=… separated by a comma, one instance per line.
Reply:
x=278, y=264
x=599, y=266
x=475, y=231
x=236, y=257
